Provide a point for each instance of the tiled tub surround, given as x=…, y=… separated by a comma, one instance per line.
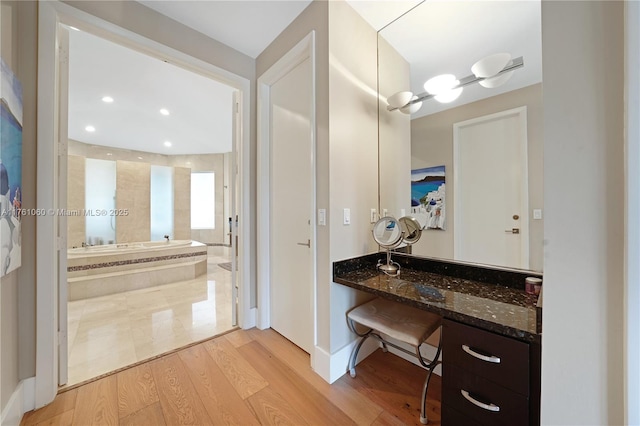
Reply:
x=491, y=299
x=116, y=268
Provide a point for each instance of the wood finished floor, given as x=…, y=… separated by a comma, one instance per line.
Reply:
x=246, y=378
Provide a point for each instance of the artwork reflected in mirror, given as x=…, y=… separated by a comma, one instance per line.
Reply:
x=466, y=100
x=428, y=201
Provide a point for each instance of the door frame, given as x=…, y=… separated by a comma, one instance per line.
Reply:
x=632, y=212
x=521, y=113
x=50, y=15
x=305, y=49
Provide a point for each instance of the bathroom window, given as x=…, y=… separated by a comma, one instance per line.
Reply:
x=203, y=200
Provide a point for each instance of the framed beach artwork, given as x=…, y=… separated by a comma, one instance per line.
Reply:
x=428, y=196
x=10, y=170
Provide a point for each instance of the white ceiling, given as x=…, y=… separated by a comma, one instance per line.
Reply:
x=436, y=37
x=200, y=108
x=448, y=37
x=248, y=26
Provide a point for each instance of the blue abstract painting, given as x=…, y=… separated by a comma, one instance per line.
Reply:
x=428, y=196
x=10, y=170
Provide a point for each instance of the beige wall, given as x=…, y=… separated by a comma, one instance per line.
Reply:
x=353, y=150
x=432, y=145
x=17, y=289
x=582, y=344
x=76, y=225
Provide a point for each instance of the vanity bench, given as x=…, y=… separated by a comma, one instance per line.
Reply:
x=491, y=332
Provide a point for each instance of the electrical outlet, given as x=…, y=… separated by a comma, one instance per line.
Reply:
x=346, y=217
x=402, y=212
x=537, y=213
x=373, y=216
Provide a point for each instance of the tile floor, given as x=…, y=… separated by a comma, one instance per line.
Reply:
x=110, y=332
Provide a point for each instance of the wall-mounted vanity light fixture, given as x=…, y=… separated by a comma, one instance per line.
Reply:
x=490, y=72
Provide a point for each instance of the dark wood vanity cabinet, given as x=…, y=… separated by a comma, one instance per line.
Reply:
x=488, y=379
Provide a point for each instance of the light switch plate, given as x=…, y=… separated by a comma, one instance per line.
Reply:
x=347, y=217
x=402, y=212
x=537, y=213
x=373, y=216
x=322, y=217
x=384, y=212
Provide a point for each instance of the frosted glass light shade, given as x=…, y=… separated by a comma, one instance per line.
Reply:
x=449, y=96
x=496, y=81
x=490, y=65
x=410, y=109
x=441, y=83
x=399, y=99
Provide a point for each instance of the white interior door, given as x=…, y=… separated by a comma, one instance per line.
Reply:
x=291, y=206
x=491, y=222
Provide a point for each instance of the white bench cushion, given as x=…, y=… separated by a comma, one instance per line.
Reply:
x=401, y=322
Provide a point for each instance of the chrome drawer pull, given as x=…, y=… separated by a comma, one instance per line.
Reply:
x=488, y=358
x=489, y=407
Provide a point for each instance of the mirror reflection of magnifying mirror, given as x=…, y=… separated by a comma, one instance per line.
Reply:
x=391, y=233
x=387, y=232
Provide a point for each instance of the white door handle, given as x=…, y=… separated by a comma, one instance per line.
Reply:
x=489, y=407
x=488, y=358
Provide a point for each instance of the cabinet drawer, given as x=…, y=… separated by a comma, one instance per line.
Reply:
x=497, y=358
x=452, y=417
x=482, y=400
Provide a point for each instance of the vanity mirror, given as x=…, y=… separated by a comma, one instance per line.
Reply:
x=482, y=135
x=391, y=233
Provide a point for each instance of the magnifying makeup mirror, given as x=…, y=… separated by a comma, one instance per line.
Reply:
x=391, y=233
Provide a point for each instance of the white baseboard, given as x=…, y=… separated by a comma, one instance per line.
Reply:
x=250, y=319
x=333, y=366
x=22, y=399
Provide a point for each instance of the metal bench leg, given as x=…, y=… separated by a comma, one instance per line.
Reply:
x=431, y=366
x=354, y=356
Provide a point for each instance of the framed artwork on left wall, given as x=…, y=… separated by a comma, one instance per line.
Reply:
x=10, y=170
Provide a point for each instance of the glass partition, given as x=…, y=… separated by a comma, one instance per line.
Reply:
x=100, y=196
x=161, y=202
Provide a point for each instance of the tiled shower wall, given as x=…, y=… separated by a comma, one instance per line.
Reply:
x=133, y=192
x=76, y=229
x=182, y=203
x=133, y=186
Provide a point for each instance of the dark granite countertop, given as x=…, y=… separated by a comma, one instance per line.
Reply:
x=504, y=309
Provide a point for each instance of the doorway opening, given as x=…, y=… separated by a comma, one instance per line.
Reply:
x=150, y=206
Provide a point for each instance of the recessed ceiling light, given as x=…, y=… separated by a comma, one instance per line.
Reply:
x=108, y=153
x=188, y=163
x=164, y=111
x=107, y=99
x=139, y=158
x=74, y=29
x=90, y=129
x=167, y=144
